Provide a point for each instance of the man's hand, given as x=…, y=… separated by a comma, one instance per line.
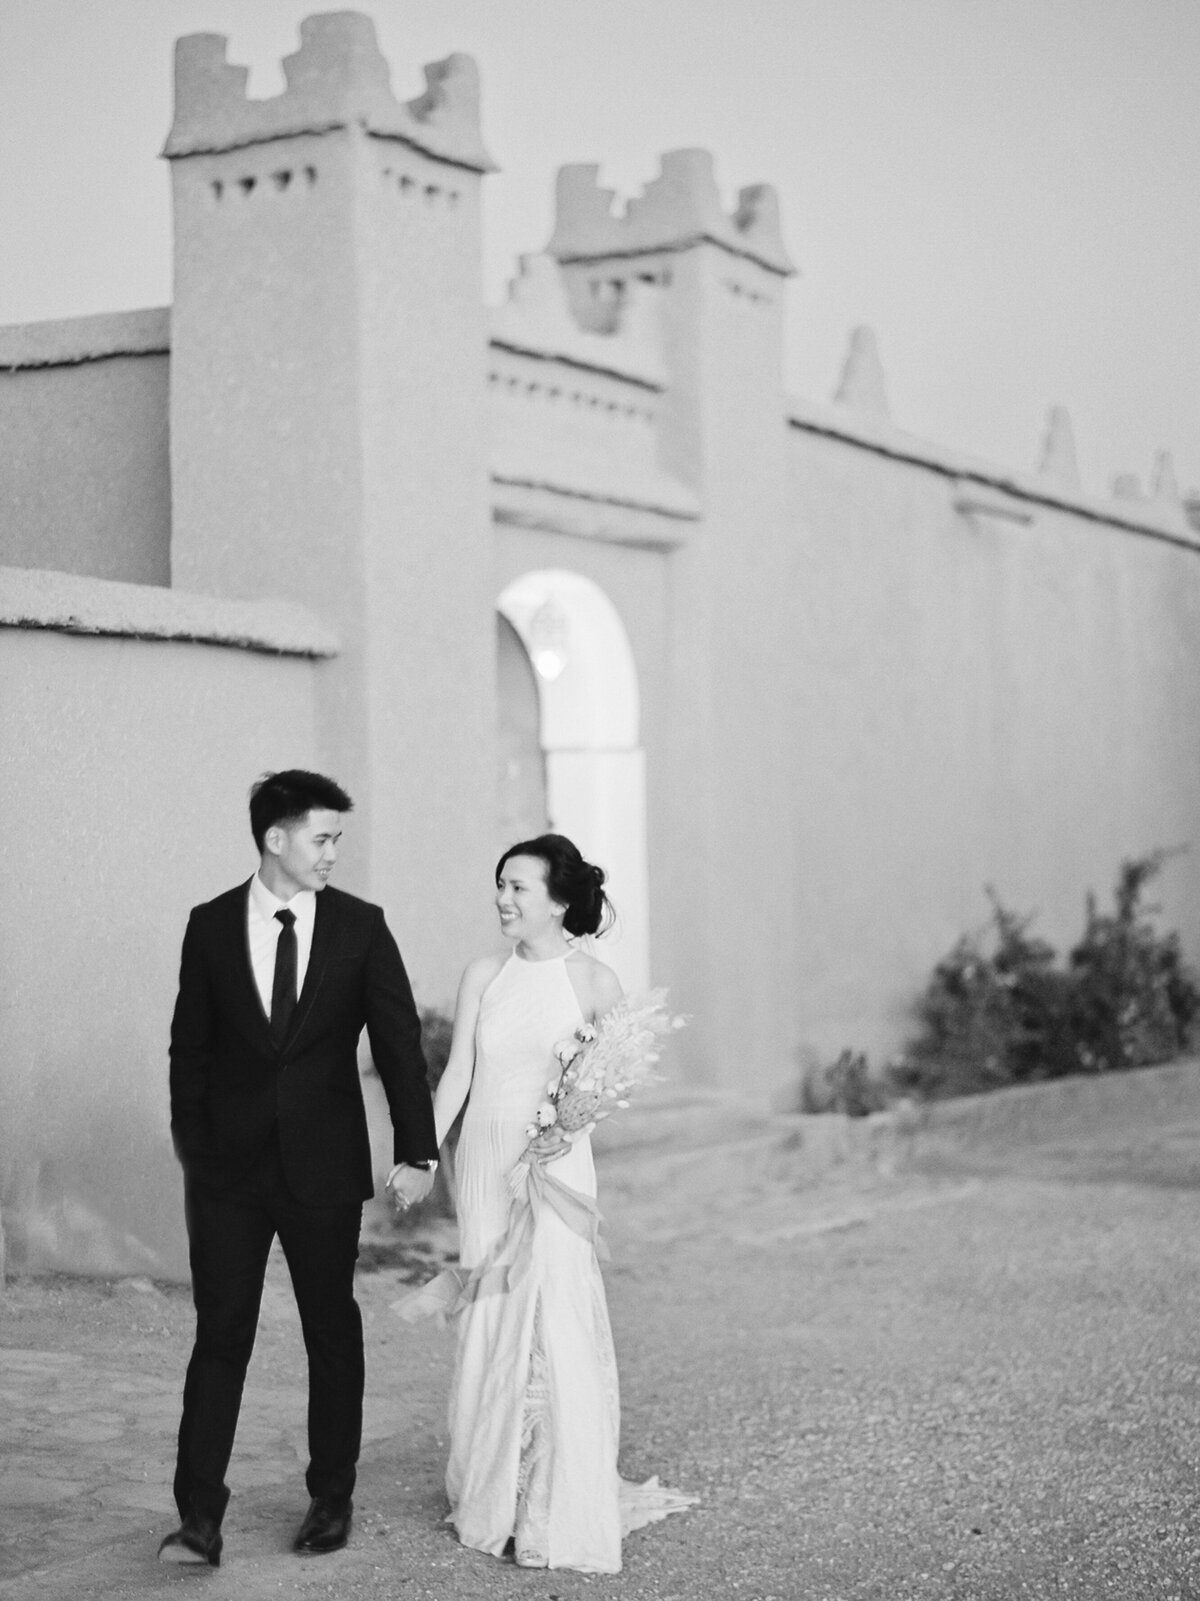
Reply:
x=409, y=1185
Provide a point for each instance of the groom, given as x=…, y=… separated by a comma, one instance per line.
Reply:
x=278, y=978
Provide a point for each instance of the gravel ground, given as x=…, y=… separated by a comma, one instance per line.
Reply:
x=969, y=1386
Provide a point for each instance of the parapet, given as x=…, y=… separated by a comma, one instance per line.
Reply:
x=1059, y=460
x=863, y=387
x=681, y=207
x=72, y=340
x=69, y=603
x=536, y=319
x=1164, y=486
x=337, y=79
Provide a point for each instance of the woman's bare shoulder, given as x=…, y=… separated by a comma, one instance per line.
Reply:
x=479, y=974
x=603, y=985
x=583, y=959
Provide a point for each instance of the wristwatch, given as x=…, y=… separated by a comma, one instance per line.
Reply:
x=426, y=1167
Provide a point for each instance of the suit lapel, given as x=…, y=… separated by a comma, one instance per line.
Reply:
x=244, y=991
x=323, y=942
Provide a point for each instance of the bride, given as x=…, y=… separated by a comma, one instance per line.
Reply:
x=534, y=1407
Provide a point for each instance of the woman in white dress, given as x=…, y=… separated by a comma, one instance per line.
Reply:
x=534, y=1407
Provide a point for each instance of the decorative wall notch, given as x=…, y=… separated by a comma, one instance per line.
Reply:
x=537, y=318
x=337, y=79
x=679, y=208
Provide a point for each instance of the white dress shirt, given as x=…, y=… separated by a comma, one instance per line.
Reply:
x=264, y=932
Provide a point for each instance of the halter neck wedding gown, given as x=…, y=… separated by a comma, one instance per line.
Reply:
x=534, y=1405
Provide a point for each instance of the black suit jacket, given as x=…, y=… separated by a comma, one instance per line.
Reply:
x=231, y=1085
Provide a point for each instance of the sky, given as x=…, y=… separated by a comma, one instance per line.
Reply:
x=1005, y=190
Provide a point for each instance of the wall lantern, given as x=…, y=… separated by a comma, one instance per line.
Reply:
x=549, y=640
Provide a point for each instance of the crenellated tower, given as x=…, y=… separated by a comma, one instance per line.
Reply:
x=723, y=273
x=328, y=351
x=724, y=862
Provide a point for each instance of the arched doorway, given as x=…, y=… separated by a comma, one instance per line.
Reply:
x=589, y=712
x=521, y=762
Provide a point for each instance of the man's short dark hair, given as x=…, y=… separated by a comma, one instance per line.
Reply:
x=281, y=800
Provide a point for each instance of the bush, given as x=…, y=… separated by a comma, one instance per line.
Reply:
x=999, y=1009
x=846, y=1085
x=1137, y=1001
x=437, y=1030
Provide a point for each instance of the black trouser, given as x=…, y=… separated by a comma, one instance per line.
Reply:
x=230, y=1233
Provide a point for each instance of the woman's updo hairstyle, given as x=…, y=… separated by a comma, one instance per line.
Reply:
x=570, y=882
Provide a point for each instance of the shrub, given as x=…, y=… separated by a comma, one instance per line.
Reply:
x=999, y=1009
x=846, y=1085
x=437, y=1030
x=1137, y=999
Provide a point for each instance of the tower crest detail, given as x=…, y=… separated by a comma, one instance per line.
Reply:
x=338, y=78
x=679, y=208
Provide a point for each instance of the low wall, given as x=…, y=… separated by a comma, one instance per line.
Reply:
x=86, y=484
x=1141, y=1126
x=128, y=761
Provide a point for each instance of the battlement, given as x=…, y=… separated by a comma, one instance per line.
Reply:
x=536, y=318
x=679, y=208
x=337, y=79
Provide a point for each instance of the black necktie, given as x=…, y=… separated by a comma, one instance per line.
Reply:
x=283, y=990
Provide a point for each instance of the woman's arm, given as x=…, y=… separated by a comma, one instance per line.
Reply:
x=606, y=990
x=597, y=988
x=455, y=1082
x=411, y=1184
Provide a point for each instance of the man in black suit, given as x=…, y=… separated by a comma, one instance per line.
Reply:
x=277, y=980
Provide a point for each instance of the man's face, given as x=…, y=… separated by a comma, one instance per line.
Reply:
x=302, y=856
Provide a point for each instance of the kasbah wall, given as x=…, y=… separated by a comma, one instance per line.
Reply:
x=807, y=684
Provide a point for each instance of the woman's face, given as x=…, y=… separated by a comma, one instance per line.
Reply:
x=522, y=900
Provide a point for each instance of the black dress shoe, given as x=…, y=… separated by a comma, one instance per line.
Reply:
x=326, y=1527
x=196, y=1542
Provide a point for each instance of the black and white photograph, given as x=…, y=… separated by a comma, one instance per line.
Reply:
x=600, y=740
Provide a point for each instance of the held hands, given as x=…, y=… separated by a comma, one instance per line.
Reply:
x=408, y=1185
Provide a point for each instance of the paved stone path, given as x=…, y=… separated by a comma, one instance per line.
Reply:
x=970, y=1384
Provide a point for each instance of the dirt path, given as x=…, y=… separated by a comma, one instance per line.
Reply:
x=975, y=1387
